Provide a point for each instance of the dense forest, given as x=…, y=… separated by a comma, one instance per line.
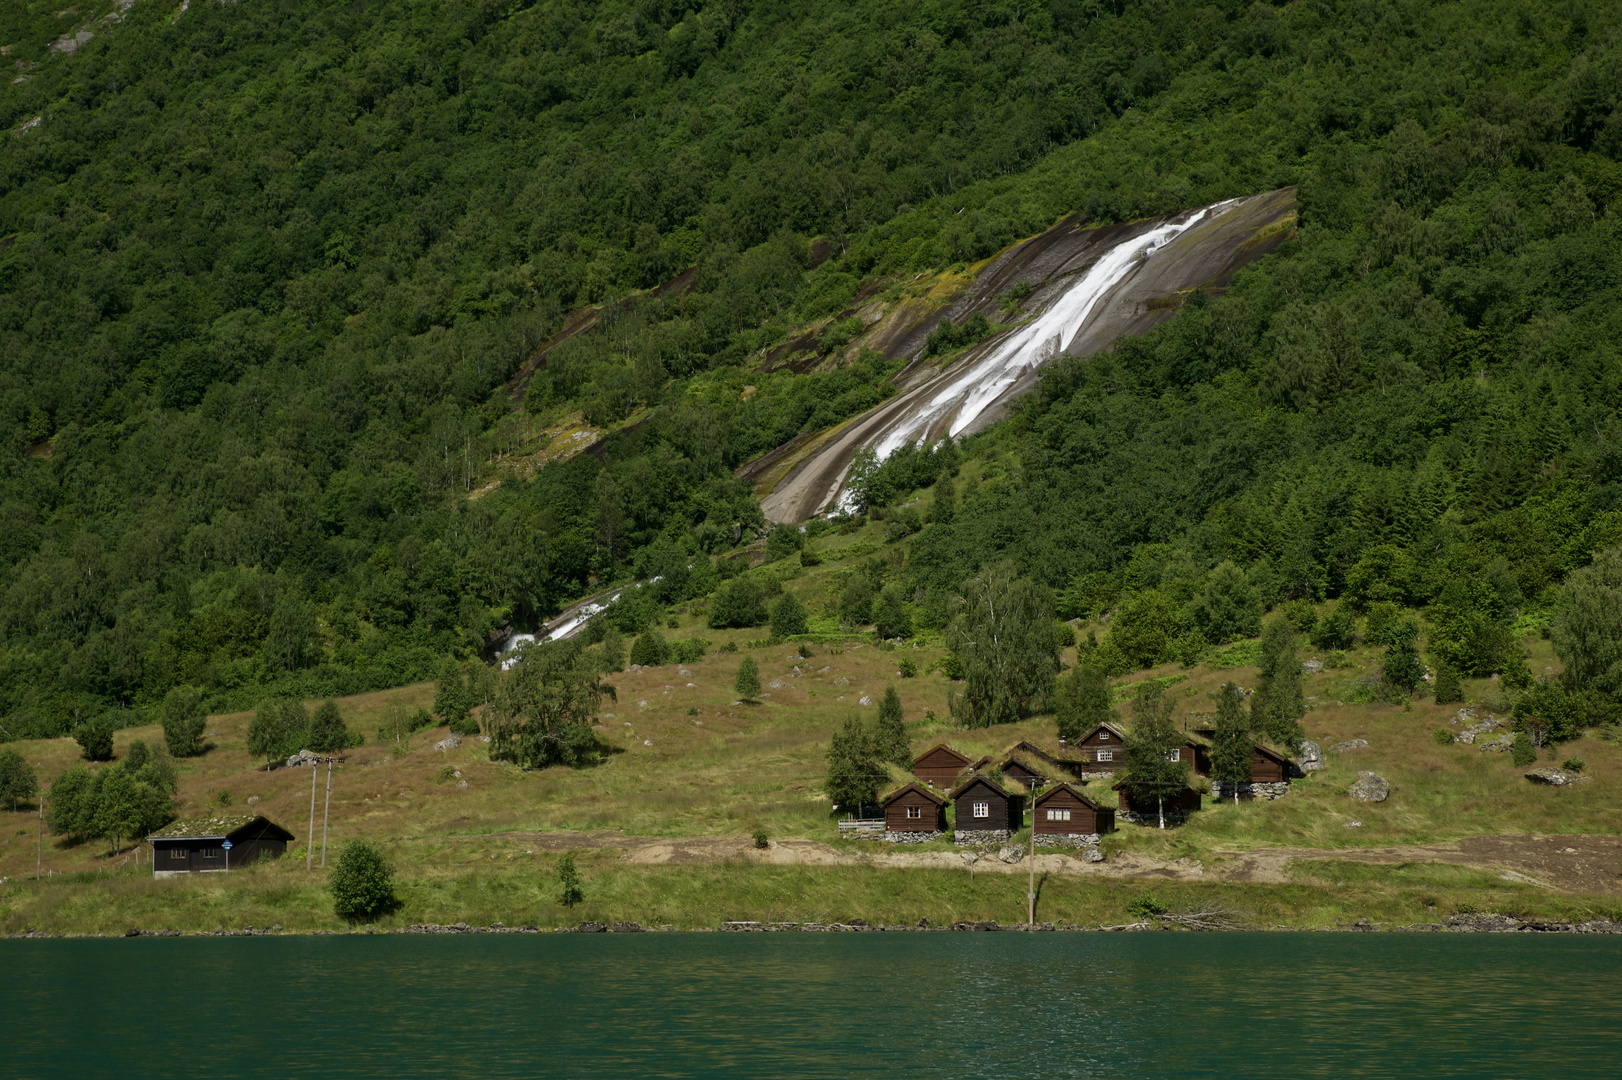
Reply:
x=267, y=269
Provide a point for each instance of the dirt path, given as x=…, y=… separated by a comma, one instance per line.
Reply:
x=1584, y=864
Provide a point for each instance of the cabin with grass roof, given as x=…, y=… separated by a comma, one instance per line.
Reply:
x=940, y=765
x=913, y=814
x=205, y=845
x=1066, y=815
x=986, y=812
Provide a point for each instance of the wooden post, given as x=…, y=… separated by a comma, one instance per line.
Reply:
x=39, y=869
x=309, y=837
x=1030, y=893
x=326, y=814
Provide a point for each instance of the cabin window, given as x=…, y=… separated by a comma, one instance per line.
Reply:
x=1103, y=736
x=982, y=809
x=1106, y=755
x=1058, y=815
x=1174, y=755
x=211, y=853
x=177, y=853
x=915, y=812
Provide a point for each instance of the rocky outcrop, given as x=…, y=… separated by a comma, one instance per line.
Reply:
x=1369, y=787
x=1312, y=756
x=1557, y=777
x=1349, y=745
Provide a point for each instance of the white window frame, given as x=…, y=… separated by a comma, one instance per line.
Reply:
x=915, y=813
x=982, y=810
x=1106, y=755
x=1174, y=754
x=1058, y=815
x=1103, y=736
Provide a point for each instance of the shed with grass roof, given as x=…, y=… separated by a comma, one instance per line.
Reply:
x=986, y=812
x=1066, y=815
x=940, y=766
x=913, y=814
x=198, y=845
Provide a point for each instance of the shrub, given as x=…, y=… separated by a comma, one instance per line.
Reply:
x=809, y=557
x=738, y=603
x=1449, y=687
x=1574, y=764
x=761, y=842
x=804, y=651
x=184, y=720
x=650, y=649
x=1335, y=631
x=1145, y=906
x=890, y=614
x=328, y=732
x=362, y=883
x=783, y=541
x=95, y=740
x=1523, y=752
x=17, y=780
x=688, y=650
x=908, y=668
x=856, y=602
x=788, y=617
x=747, y=684
x=446, y=775
x=1443, y=736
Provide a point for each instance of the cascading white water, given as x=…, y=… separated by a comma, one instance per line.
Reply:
x=979, y=384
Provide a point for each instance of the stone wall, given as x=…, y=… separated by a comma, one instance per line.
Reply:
x=1066, y=840
x=1173, y=817
x=1275, y=790
x=896, y=837
x=980, y=837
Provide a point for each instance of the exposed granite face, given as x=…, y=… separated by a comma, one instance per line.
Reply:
x=1247, y=790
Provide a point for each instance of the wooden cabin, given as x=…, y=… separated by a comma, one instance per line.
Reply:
x=1099, y=752
x=984, y=807
x=914, y=812
x=1050, y=765
x=1148, y=810
x=1023, y=772
x=940, y=766
x=1067, y=811
x=203, y=845
x=1266, y=766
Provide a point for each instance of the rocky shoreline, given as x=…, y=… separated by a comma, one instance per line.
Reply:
x=1491, y=923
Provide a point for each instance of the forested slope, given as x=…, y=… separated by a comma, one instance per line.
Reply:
x=266, y=268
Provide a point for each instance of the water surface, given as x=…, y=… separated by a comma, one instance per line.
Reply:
x=1004, y=1006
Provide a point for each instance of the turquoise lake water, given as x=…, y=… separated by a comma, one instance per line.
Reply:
x=1004, y=1006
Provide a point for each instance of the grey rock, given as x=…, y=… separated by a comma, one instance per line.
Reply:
x=449, y=742
x=683, y=671
x=1369, y=787
x=627, y=928
x=1012, y=853
x=1349, y=745
x=591, y=928
x=1557, y=777
x=864, y=700
x=1467, y=737
x=252, y=799
x=1092, y=854
x=1502, y=744
x=1311, y=667
x=1353, y=825
x=461, y=783
x=1312, y=756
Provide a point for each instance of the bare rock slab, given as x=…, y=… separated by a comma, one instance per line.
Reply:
x=1370, y=787
x=1557, y=777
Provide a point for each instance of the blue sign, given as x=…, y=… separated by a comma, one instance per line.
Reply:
x=226, y=845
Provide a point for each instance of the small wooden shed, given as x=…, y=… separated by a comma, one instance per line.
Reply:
x=914, y=813
x=940, y=766
x=1267, y=766
x=1022, y=770
x=198, y=845
x=985, y=812
x=1067, y=811
x=1100, y=752
x=1178, y=806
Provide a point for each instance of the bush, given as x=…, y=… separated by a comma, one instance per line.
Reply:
x=569, y=891
x=788, y=616
x=688, y=650
x=856, y=602
x=747, y=684
x=650, y=649
x=738, y=603
x=890, y=614
x=1443, y=736
x=1336, y=630
x=804, y=651
x=1449, y=687
x=783, y=541
x=362, y=883
x=95, y=740
x=1145, y=906
x=17, y=780
x=809, y=557
x=908, y=667
x=1523, y=752
x=1574, y=764
x=761, y=842
x=184, y=720
x=329, y=734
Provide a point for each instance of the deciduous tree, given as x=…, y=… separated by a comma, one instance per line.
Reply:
x=1003, y=638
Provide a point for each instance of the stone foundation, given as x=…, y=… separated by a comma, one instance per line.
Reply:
x=1066, y=840
x=980, y=837
x=895, y=837
x=1272, y=790
x=1173, y=817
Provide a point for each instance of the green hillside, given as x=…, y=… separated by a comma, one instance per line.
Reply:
x=268, y=270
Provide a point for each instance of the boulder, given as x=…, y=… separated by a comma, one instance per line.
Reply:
x=1369, y=787
x=1349, y=745
x=1311, y=667
x=591, y=928
x=1557, y=777
x=627, y=928
x=449, y=742
x=1501, y=745
x=1312, y=756
x=1353, y=825
x=1011, y=853
x=1091, y=854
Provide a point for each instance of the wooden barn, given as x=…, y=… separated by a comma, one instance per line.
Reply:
x=986, y=813
x=940, y=766
x=1266, y=766
x=1044, y=762
x=200, y=845
x=1023, y=771
x=1066, y=811
x=914, y=814
x=1100, y=752
x=1147, y=811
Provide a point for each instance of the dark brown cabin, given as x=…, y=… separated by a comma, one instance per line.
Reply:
x=1066, y=811
x=914, y=808
x=940, y=766
x=198, y=845
x=1103, y=749
x=982, y=805
x=1266, y=766
x=1185, y=803
x=1021, y=773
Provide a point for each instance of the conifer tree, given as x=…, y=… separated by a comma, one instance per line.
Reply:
x=853, y=777
x=747, y=683
x=788, y=616
x=1278, y=703
x=890, y=740
x=1230, y=754
x=1449, y=687
x=650, y=649
x=569, y=892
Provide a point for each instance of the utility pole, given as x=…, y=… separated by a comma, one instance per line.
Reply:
x=1030, y=892
x=39, y=869
x=326, y=814
x=309, y=837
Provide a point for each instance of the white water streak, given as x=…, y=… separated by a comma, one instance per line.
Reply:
x=978, y=385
